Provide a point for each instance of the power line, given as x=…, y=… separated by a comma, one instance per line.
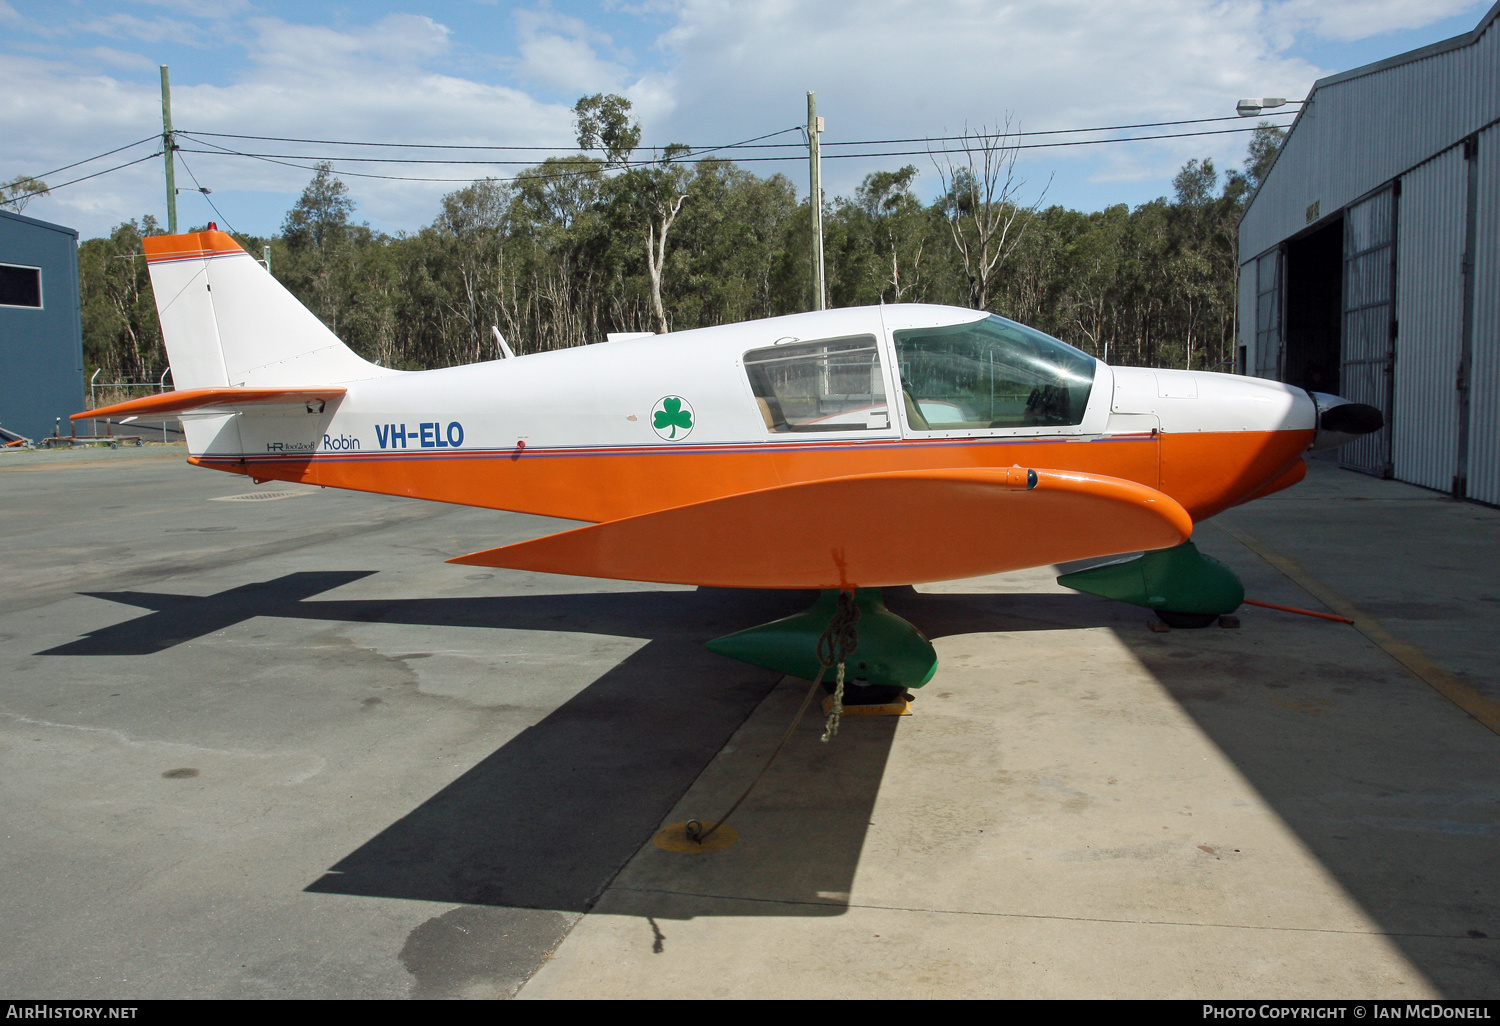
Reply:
x=405, y=160
x=96, y=174
x=1027, y=146
x=1054, y=131
x=462, y=146
x=89, y=160
x=743, y=144
x=428, y=160
x=286, y=159
x=746, y=143
x=225, y=152
x=204, y=193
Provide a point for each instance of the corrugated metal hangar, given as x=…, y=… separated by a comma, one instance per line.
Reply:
x=41, y=332
x=1370, y=259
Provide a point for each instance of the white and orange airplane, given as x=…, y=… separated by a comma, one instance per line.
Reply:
x=838, y=450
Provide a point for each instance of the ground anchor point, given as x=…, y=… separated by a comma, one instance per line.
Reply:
x=673, y=837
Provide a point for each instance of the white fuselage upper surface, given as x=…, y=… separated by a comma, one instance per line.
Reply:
x=605, y=395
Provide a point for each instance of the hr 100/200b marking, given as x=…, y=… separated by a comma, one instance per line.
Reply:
x=426, y=435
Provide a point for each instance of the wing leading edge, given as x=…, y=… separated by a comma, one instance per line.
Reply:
x=868, y=531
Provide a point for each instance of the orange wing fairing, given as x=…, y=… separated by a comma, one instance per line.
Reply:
x=867, y=531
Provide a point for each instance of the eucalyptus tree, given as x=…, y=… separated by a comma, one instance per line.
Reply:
x=981, y=201
x=898, y=229
x=121, y=333
x=21, y=190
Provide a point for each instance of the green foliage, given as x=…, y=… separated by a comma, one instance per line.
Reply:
x=1265, y=143
x=604, y=121
x=19, y=191
x=578, y=246
x=121, y=333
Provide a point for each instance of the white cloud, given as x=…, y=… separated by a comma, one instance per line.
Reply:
x=109, y=57
x=213, y=9
x=304, y=81
x=1348, y=20
x=895, y=68
x=155, y=30
x=560, y=52
x=723, y=70
x=397, y=42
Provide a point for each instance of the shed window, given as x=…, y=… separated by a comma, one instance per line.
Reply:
x=832, y=385
x=20, y=286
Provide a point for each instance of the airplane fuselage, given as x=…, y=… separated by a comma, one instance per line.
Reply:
x=586, y=433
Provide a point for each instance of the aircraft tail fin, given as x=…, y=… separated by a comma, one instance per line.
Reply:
x=227, y=323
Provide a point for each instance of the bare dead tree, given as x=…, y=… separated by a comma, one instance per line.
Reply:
x=659, y=192
x=657, y=227
x=981, y=204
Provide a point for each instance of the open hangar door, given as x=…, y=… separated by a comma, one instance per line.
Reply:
x=1314, y=304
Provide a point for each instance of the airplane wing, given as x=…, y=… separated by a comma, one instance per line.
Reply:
x=870, y=530
x=211, y=400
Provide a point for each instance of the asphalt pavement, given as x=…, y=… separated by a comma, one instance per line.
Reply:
x=261, y=741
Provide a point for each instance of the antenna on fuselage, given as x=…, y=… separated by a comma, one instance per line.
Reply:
x=504, y=346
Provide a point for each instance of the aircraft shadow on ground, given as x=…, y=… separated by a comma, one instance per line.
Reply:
x=549, y=818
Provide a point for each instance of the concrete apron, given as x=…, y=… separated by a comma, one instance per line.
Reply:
x=1080, y=807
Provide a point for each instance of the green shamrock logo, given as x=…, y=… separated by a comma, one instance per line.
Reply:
x=671, y=413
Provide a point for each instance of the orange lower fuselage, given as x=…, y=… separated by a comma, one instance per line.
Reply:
x=1206, y=472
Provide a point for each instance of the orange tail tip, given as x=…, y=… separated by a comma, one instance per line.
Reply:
x=183, y=247
x=873, y=530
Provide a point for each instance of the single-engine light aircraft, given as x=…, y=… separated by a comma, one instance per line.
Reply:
x=843, y=450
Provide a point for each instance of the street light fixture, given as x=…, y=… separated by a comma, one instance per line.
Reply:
x=1253, y=105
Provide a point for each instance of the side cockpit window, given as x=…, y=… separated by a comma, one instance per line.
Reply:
x=992, y=373
x=829, y=385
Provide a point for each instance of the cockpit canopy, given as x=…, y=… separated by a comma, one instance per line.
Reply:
x=991, y=373
x=986, y=373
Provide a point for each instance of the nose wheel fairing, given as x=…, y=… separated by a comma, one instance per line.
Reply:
x=1180, y=583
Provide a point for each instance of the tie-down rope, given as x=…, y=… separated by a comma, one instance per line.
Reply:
x=834, y=647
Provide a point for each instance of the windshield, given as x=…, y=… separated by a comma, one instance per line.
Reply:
x=992, y=373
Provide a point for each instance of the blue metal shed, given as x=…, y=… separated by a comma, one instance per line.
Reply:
x=41, y=327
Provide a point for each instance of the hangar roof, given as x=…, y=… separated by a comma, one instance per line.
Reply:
x=1361, y=128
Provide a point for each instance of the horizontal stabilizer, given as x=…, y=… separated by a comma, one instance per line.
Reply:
x=869, y=531
x=211, y=400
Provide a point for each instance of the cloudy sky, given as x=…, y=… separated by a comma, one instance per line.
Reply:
x=80, y=77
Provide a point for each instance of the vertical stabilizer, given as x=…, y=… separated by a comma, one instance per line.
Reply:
x=226, y=321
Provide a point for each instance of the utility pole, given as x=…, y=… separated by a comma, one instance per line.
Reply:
x=815, y=200
x=168, y=144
